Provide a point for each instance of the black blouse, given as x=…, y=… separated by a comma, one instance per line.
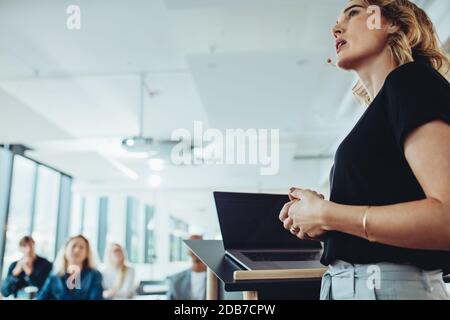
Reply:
x=12, y=285
x=370, y=167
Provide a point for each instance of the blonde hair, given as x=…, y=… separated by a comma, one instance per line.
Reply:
x=123, y=269
x=61, y=264
x=416, y=39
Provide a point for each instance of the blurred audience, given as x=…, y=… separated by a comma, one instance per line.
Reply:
x=74, y=276
x=27, y=275
x=118, y=277
x=189, y=284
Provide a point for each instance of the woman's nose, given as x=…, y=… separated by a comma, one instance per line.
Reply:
x=336, y=31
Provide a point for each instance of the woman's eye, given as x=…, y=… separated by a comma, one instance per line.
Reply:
x=353, y=13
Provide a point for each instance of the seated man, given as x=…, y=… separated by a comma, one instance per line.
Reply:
x=189, y=284
x=30, y=271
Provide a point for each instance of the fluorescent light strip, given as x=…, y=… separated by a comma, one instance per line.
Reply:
x=124, y=169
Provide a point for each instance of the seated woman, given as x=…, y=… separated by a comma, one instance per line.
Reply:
x=75, y=277
x=118, y=280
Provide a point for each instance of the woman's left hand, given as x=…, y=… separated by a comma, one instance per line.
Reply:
x=307, y=214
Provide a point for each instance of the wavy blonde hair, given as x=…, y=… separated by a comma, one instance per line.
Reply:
x=61, y=264
x=416, y=39
x=123, y=268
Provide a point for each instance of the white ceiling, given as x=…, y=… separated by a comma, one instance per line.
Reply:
x=73, y=95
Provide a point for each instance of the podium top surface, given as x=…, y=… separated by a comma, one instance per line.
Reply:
x=212, y=253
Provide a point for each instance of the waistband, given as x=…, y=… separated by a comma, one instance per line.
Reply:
x=384, y=270
x=388, y=271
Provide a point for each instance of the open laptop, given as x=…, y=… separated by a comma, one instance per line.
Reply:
x=254, y=236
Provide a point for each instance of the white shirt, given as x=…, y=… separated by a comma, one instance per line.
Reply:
x=127, y=290
x=198, y=285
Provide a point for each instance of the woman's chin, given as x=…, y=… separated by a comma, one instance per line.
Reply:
x=344, y=63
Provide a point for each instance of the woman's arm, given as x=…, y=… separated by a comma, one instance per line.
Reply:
x=128, y=289
x=423, y=224
x=95, y=292
x=46, y=291
x=9, y=286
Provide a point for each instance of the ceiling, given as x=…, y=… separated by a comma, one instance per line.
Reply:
x=73, y=95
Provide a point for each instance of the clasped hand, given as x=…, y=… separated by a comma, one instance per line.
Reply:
x=303, y=215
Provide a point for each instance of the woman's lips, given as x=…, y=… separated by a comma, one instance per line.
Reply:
x=339, y=44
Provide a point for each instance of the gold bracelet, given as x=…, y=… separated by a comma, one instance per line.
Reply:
x=366, y=213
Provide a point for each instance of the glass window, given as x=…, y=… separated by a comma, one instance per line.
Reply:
x=65, y=197
x=134, y=231
x=21, y=206
x=90, y=221
x=179, y=232
x=102, y=226
x=6, y=160
x=46, y=212
x=150, y=246
x=77, y=215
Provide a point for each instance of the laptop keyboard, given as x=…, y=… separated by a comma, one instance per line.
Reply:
x=281, y=256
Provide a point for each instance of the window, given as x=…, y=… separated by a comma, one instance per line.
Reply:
x=37, y=204
x=21, y=207
x=132, y=243
x=179, y=232
x=6, y=160
x=65, y=196
x=89, y=217
x=102, y=225
x=77, y=215
x=90, y=221
x=150, y=248
x=46, y=212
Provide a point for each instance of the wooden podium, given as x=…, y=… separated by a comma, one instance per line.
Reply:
x=224, y=273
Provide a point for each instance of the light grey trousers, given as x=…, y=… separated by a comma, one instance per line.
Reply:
x=381, y=281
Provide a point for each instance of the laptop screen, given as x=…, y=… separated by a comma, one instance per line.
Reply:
x=250, y=221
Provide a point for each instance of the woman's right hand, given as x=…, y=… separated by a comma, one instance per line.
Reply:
x=288, y=223
x=18, y=268
x=109, y=294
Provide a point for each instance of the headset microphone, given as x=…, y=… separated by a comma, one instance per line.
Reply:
x=330, y=62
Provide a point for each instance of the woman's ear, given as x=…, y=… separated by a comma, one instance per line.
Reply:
x=392, y=28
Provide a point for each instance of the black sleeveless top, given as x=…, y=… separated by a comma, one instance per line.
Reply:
x=370, y=167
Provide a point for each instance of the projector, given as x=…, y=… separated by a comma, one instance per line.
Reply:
x=138, y=144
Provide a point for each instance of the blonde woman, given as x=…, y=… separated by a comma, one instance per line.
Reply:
x=118, y=276
x=386, y=227
x=75, y=276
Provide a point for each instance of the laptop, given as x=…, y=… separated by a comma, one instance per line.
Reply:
x=254, y=237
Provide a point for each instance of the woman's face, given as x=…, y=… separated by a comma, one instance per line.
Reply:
x=76, y=251
x=359, y=38
x=117, y=256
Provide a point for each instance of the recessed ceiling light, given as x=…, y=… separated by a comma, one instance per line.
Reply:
x=156, y=164
x=154, y=181
x=129, y=142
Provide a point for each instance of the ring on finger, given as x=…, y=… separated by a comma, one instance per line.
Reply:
x=295, y=230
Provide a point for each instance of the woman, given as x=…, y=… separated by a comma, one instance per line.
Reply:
x=118, y=277
x=76, y=277
x=386, y=228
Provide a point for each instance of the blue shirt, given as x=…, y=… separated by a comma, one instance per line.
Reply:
x=56, y=288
